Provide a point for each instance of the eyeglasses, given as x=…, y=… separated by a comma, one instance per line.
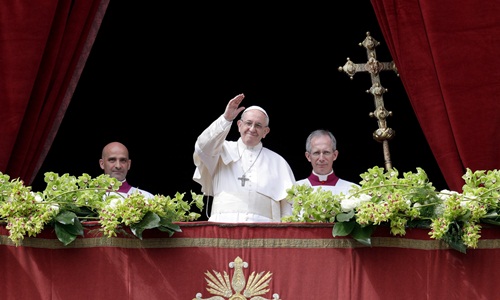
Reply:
x=249, y=124
x=317, y=154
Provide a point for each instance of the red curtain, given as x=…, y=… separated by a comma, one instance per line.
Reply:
x=43, y=49
x=445, y=53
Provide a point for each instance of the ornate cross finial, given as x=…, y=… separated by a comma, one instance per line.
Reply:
x=383, y=134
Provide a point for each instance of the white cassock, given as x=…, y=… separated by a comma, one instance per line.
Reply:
x=247, y=184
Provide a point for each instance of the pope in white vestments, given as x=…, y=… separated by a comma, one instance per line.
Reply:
x=248, y=182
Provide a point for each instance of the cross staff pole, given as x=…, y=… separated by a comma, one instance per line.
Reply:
x=384, y=133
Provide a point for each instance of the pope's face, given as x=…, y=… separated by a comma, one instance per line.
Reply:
x=253, y=127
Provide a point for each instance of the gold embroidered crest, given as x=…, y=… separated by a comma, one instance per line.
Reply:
x=238, y=288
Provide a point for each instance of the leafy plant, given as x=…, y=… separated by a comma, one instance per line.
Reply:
x=385, y=198
x=67, y=201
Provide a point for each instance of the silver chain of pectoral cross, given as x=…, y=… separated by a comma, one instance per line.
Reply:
x=243, y=178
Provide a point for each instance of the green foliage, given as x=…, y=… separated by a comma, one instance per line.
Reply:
x=67, y=201
x=410, y=201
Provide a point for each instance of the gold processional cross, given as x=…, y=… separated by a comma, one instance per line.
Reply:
x=383, y=134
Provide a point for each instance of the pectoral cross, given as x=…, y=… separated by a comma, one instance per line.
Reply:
x=243, y=179
x=383, y=134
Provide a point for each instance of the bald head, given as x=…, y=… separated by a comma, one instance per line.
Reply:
x=114, y=147
x=115, y=160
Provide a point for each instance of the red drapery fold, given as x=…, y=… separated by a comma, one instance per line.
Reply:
x=445, y=52
x=43, y=49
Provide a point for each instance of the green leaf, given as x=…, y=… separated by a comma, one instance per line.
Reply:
x=168, y=230
x=85, y=212
x=465, y=217
x=343, y=228
x=344, y=217
x=425, y=224
x=453, y=237
x=171, y=228
x=489, y=221
x=66, y=217
x=491, y=217
x=150, y=220
x=68, y=233
x=363, y=234
x=491, y=214
x=457, y=245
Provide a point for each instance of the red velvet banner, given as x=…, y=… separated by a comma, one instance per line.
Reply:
x=302, y=261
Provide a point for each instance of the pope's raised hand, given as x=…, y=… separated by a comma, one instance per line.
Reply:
x=233, y=107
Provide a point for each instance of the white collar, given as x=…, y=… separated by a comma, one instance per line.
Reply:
x=323, y=177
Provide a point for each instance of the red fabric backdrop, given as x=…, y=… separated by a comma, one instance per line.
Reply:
x=44, y=47
x=304, y=260
x=446, y=52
